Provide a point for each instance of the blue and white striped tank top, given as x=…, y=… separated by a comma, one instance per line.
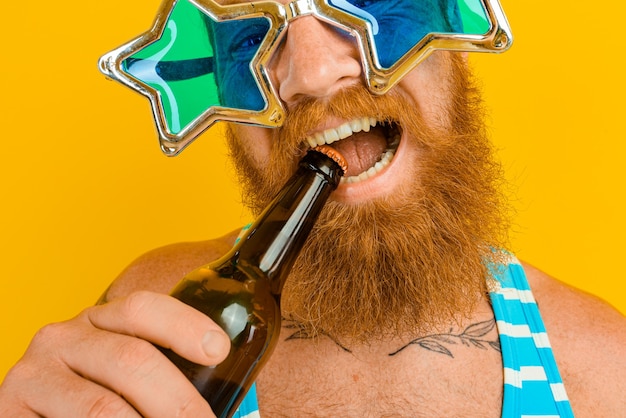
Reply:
x=532, y=384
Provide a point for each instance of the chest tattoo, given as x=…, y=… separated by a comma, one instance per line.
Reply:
x=478, y=335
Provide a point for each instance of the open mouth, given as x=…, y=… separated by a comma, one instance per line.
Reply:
x=367, y=145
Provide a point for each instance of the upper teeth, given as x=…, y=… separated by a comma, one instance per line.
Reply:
x=335, y=134
x=362, y=124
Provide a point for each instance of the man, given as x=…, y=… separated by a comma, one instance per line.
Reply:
x=398, y=305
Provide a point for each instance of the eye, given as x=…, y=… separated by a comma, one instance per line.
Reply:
x=244, y=48
x=245, y=37
x=363, y=4
x=251, y=41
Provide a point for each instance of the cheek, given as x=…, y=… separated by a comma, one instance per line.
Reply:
x=255, y=142
x=429, y=86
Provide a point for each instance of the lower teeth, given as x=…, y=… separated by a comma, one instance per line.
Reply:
x=384, y=161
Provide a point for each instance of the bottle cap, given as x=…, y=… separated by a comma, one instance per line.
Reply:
x=334, y=155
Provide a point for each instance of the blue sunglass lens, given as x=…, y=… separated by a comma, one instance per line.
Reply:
x=399, y=25
x=236, y=43
x=199, y=63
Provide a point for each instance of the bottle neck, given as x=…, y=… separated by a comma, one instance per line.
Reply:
x=275, y=239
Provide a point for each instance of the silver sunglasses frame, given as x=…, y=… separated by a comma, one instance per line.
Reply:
x=379, y=80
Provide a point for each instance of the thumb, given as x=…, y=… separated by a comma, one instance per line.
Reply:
x=216, y=345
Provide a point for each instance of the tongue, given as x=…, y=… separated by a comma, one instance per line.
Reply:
x=361, y=150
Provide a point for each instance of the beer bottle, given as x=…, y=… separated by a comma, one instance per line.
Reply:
x=241, y=291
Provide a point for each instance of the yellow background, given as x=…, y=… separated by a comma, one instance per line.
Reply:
x=86, y=189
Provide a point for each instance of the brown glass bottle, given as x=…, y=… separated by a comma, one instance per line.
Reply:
x=241, y=291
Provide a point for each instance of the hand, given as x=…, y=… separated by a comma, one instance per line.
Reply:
x=102, y=362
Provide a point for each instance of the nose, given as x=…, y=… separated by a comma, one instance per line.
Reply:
x=315, y=60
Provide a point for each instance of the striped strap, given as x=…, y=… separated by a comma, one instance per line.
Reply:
x=532, y=383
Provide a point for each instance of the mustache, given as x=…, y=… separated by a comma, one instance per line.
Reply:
x=309, y=114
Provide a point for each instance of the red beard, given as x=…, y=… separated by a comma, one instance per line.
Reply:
x=408, y=263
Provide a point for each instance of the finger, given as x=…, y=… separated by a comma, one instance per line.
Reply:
x=11, y=405
x=73, y=396
x=12, y=411
x=30, y=390
x=136, y=370
x=167, y=322
x=87, y=399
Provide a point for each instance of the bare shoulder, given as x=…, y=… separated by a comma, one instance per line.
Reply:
x=588, y=337
x=160, y=269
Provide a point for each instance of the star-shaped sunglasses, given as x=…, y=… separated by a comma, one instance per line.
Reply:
x=203, y=62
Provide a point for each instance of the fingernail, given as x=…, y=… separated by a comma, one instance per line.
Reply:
x=215, y=344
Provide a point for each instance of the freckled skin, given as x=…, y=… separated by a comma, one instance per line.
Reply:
x=103, y=361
